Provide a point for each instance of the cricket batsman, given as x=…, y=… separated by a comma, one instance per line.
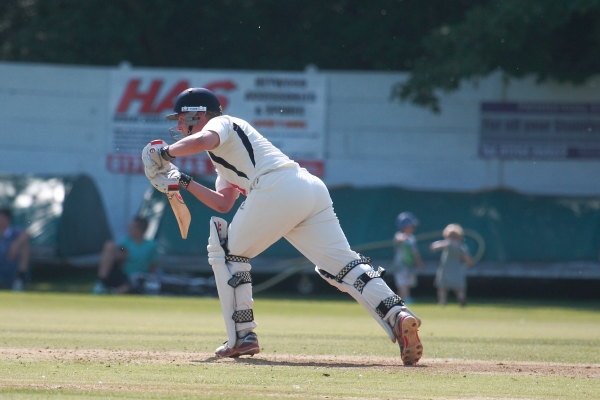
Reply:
x=282, y=199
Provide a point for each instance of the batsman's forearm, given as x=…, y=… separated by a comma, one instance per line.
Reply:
x=215, y=200
x=194, y=144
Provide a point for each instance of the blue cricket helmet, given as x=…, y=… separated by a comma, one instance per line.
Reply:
x=193, y=100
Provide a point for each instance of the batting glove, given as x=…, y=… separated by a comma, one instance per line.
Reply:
x=154, y=163
x=168, y=181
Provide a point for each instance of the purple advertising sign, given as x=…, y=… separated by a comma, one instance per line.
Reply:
x=539, y=130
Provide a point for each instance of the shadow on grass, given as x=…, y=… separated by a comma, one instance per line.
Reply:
x=312, y=362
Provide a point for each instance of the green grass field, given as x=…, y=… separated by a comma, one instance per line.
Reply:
x=79, y=346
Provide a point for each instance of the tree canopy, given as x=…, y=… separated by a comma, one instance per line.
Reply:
x=547, y=39
x=440, y=42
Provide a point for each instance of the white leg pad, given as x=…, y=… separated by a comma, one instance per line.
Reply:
x=375, y=296
x=216, y=258
x=233, y=280
x=227, y=299
x=240, y=272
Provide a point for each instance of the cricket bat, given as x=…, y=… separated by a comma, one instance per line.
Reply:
x=182, y=213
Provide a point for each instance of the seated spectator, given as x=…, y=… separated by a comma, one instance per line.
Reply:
x=14, y=253
x=123, y=264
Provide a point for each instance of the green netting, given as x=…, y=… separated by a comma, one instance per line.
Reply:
x=64, y=215
x=514, y=227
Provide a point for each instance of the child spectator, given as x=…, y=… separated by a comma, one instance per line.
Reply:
x=452, y=271
x=407, y=258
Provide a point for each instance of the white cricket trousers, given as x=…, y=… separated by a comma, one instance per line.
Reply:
x=294, y=204
x=291, y=203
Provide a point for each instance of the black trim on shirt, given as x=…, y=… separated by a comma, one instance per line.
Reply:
x=224, y=163
x=244, y=138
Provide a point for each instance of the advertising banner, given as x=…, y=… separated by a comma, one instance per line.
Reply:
x=539, y=130
x=287, y=108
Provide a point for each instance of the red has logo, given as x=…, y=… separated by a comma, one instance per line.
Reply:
x=148, y=100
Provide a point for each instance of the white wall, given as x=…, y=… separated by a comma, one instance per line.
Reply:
x=373, y=140
x=56, y=121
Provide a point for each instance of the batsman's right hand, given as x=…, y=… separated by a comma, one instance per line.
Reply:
x=167, y=181
x=154, y=164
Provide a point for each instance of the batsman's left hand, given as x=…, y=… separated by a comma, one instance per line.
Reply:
x=153, y=162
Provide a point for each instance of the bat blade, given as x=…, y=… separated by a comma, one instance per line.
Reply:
x=181, y=211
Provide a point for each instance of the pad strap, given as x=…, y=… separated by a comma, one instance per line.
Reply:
x=239, y=259
x=362, y=280
x=387, y=304
x=240, y=278
x=362, y=260
x=240, y=316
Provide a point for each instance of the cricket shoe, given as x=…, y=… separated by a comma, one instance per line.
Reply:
x=246, y=346
x=406, y=330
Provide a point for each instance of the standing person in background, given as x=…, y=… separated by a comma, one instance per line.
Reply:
x=407, y=259
x=282, y=199
x=14, y=253
x=122, y=263
x=452, y=271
